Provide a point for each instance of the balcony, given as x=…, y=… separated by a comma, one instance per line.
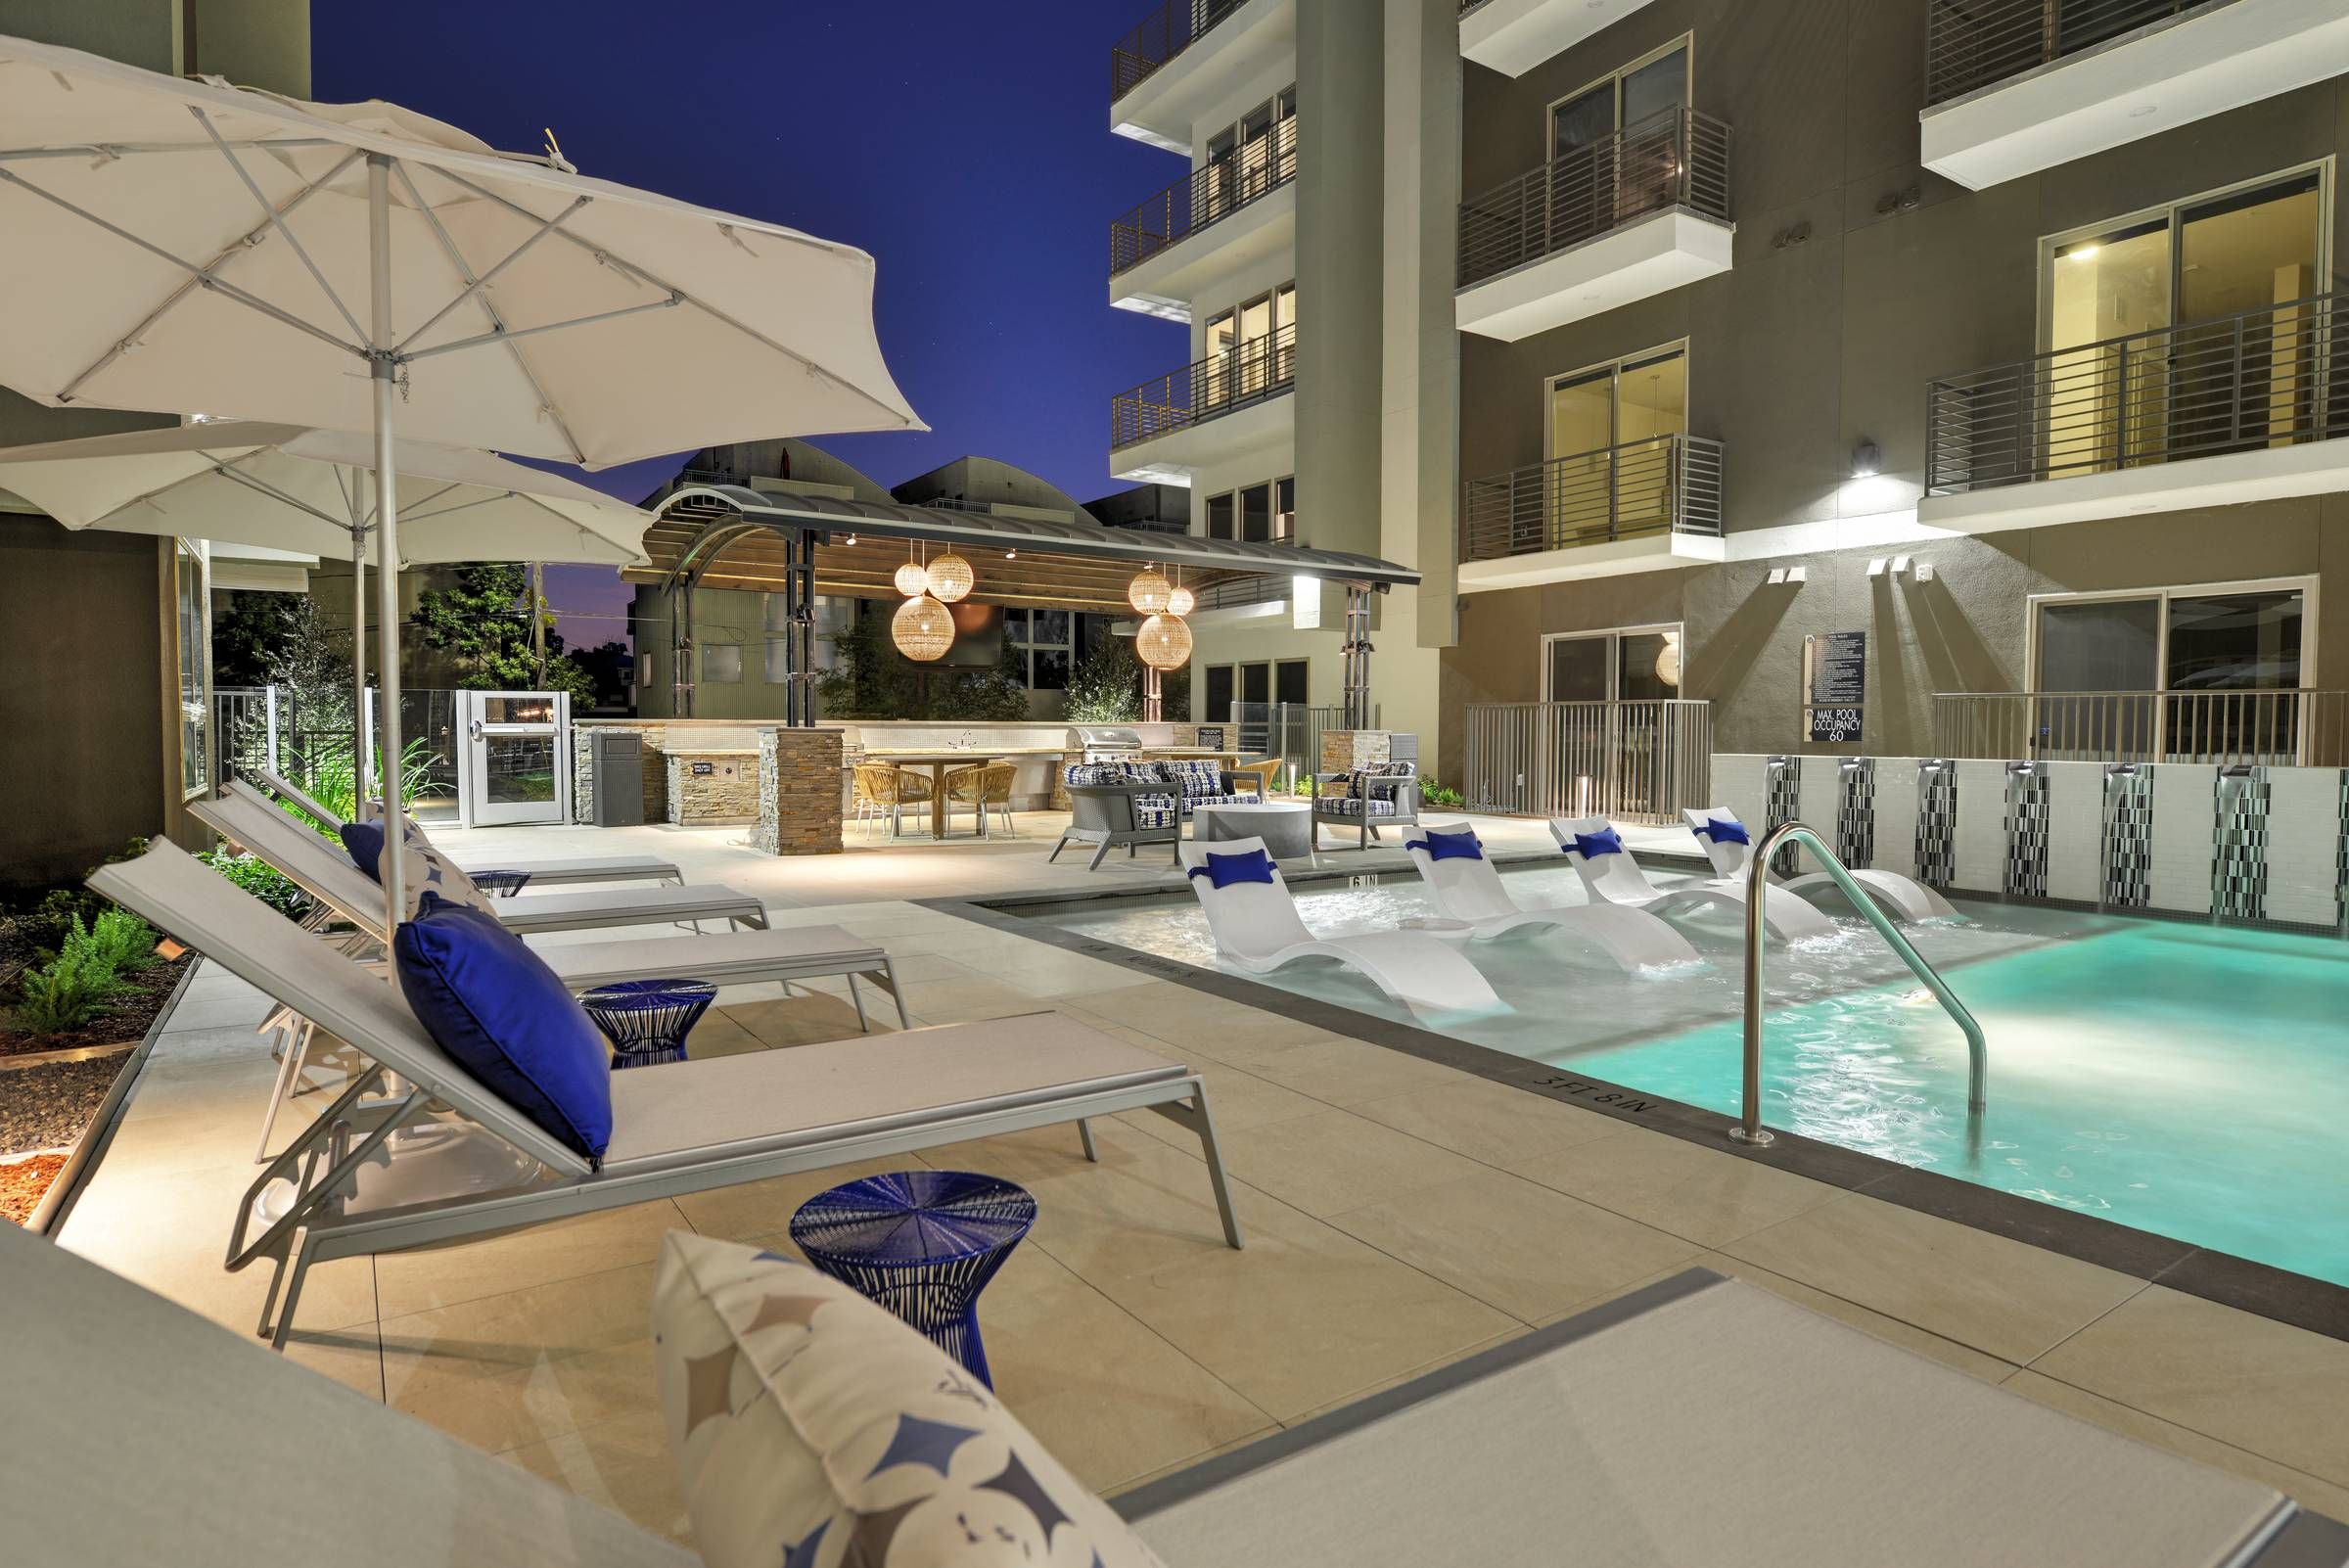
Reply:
x=1642, y=506
x=1221, y=408
x=2238, y=408
x=1513, y=36
x=2242, y=726
x=1166, y=74
x=1645, y=211
x=1231, y=214
x=2017, y=86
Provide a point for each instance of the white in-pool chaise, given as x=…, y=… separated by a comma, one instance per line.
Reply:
x=1466, y=887
x=543, y=873
x=1902, y=896
x=345, y=1187
x=243, y=814
x=1614, y=877
x=1257, y=927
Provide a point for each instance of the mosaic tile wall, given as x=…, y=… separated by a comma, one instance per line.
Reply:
x=1786, y=775
x=2272, y=847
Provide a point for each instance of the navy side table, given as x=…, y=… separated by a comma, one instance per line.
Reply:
x=502, y=884
x=647, y=1020
x=922, y=1244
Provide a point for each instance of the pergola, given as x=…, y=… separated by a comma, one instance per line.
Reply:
x=799, y=543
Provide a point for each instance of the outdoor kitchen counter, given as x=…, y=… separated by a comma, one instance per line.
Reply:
x=713, y=786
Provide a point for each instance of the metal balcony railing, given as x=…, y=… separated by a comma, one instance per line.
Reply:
x=1171, y=28
x=2225, y=727
x=1203, y=197
x=1676, y=158
x=2261, y=378
x=1664, y=483
x=1971, y=44
x=1253, y=371
x=1632, y=762
x=1467, y=6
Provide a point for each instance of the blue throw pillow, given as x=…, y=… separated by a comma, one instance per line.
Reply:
x=1724, y=832
x=1590, y=845
x=1225, y=869
x=1460, y=846
x=497, y=1008
x=364, y=841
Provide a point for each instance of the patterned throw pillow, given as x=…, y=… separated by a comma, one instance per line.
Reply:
x=814, y=1430
x=426, y=868
x=1095, y=773
x=1200, y=778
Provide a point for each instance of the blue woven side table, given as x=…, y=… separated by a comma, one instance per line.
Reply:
x=922, y=1244
x=647, y=1020
x=503, y=884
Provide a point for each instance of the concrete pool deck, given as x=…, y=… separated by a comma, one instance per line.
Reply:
x=1401, y=1213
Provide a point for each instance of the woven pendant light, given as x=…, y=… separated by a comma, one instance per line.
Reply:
x=950, y=577
x=922, y=629
x=1149, y=591
x=1182, y=602
x=912, y=581
x=1164, y=642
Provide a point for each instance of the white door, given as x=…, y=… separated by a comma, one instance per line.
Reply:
x=516, y=756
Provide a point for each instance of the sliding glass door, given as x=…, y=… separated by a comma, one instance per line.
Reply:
x=2172, y=674
x=1611, y=453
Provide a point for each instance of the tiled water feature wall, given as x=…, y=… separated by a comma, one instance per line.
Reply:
x=2258, y=845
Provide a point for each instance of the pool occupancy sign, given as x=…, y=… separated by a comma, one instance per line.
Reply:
x=1835, y=680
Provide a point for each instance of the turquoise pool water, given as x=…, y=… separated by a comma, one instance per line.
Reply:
x=2181, y=1078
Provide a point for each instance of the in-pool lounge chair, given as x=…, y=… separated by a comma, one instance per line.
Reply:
x=1466, y=887
x=246, y=817
x=1610, y=874
x=1257, y=927
x=543, y=873
x=343, y=1187
x=1903, y=897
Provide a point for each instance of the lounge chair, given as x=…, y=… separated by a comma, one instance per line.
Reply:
x=1905, y=897
x=1380, y=795
x=1616, y=878
x=343, y=1189
x=1466, y=887
x=543, y=873
x=1128, y=813
x=248, y=817
x=1257, y=927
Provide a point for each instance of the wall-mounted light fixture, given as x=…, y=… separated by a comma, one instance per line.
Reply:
x=1793, y=573
x=1867, y=459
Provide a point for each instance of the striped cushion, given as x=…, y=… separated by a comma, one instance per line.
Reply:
x=1347, y=805
x=1155, y=812
x=1200, y=778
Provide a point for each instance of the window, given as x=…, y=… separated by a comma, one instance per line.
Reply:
x=1251, y=349
x=832, y=615
x=1284, y=509
x=1609, y=430
x=1632, y=663
x=1219, y=517
x=721, y=663
x=1047, y=638
x=2171, y=674
x=1614, y=146
x=1256, y=512
x=194, y=639
x=1247, y=160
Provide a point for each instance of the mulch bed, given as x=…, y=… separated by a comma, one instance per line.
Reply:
x=126, y=1017
x=23, y=1182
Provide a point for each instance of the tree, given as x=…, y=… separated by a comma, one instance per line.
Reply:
x=1106, y=686
x=607, y=667
x=253, y=635
x=868, y=678
x=487, y=633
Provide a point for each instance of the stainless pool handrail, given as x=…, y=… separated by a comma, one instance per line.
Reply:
x=1751, y=1130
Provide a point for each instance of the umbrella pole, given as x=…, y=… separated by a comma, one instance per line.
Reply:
x=387, y=537
x=361, y=768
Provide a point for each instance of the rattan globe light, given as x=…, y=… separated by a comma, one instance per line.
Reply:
x=1182, y=602
x=1164, y=642
x=950, y=577
x=1149, y=591
x=923, y=631
x=912, y=581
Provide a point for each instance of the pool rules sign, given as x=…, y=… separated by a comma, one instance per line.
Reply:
x=1835, y=684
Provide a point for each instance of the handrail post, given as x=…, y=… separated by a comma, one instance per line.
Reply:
x=1751, y=1130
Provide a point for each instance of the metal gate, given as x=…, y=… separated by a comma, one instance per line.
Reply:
x=513, y=757
x=1634, y=761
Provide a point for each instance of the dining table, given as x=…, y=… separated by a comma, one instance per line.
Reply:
x=939, y=764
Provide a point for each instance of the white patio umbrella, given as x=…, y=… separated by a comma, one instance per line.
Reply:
x=187, y=247
x=288, y=488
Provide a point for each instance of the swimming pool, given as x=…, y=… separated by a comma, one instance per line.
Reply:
x=2186, y=1080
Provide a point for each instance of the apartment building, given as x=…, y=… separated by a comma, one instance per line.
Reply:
x=1842, y=363
x=1303, y=241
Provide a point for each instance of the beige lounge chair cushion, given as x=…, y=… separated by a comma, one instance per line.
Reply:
x=809, y=1426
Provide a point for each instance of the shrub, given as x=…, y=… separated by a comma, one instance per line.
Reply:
x=260, y=879
x=73, y=988
x=118, y=940
x=1433, y=793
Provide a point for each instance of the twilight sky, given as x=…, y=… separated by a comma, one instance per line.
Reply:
x=964, y=144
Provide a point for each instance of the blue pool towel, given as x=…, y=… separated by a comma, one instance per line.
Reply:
x=1225, y=869
x=507, y=1019
x=1724, y=832
x=364, y=841
x=1460, y=846
x=1590, y=845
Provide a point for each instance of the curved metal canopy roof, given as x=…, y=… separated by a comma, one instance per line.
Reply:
x=782, y=507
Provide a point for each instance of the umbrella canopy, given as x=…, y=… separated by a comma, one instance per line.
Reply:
x=287, y=488
x=190, y=247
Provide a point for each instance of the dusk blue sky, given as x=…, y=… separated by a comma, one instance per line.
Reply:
x=965, y=145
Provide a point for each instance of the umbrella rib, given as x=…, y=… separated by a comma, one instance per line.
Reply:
x=413, y=512
x=269, y=210
x=233, y=476
x=508, y=335
x=748, y=331
x=181, y=292
x=205, y=277
x=114, y=149
x=592, y=533
x=464, y=268
x=475, y=286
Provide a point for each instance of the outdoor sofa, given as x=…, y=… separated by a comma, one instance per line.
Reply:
x=1123, y=805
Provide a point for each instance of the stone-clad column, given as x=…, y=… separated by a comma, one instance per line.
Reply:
x=798, y=792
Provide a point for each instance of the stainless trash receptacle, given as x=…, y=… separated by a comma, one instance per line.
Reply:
x=616, y=766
